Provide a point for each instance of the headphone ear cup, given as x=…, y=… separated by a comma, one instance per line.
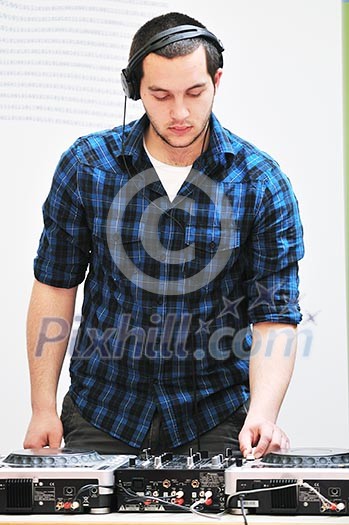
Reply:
x=135, y=90
x=124, y=82
x=129, y=85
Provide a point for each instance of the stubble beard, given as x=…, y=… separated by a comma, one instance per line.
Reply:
x=182, y=146
x=179, y=146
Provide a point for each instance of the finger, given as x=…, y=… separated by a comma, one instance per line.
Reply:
x=279, y=441
x=285, y=442
x=245, y=440
x=55, y=443
x=266, y=435
x=55, y=440
x=35, y=442
x=275, y=441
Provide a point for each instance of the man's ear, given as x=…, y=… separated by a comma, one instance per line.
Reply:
x=217, y=78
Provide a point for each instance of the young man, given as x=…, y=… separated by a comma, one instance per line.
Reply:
x=191, y=238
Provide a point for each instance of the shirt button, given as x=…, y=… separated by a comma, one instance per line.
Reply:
x=212, y=245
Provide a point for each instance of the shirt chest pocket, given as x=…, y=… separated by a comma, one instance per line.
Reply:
x=212, y=239
x=213, y=250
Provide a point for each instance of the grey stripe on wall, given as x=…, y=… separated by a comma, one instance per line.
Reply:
x=61, y=63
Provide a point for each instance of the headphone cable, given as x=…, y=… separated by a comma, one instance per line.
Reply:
x=192, y=339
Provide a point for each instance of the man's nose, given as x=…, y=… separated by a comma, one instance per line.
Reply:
x=179, y=110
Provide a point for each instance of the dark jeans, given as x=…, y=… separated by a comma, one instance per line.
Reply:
x=79, y=434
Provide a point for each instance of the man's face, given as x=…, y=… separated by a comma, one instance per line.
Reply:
x=177, y=95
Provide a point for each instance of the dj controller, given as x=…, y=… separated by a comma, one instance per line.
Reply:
x=301, y=481
x=61, y=481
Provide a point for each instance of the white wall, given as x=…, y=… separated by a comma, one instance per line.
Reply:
x=281, y=90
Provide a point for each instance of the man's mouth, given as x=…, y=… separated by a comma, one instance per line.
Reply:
x=180, y=130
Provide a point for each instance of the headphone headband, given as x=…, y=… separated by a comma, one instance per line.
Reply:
x=162, y=39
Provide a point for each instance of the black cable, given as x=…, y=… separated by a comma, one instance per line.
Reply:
x=195, y=400
x=123, y=128
x=243, y=510
x=84, y=488
x=89, y=486
x=193, y=365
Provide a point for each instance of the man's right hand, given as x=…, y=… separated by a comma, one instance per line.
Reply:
x=44, y=430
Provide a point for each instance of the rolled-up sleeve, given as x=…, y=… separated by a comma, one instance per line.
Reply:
x=274, y=249
x=64, y=249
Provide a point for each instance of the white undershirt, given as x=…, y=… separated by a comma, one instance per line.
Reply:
x=171, y=177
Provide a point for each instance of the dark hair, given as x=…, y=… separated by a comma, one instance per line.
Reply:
x=181, y=48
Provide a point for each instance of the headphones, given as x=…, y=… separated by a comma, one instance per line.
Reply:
x=129, y=82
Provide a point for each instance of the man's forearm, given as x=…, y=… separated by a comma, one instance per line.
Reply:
x=49, y=322
x=271, y=366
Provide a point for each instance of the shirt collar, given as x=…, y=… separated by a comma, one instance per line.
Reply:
x=220, y=141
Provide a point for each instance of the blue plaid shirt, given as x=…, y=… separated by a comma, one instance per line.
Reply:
x=172, y=287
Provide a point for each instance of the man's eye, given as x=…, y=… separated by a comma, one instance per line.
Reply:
x=195, y=93
x=161, y=97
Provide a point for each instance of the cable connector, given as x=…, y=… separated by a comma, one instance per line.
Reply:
x=340, y=506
